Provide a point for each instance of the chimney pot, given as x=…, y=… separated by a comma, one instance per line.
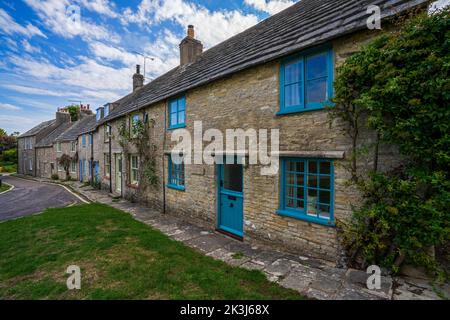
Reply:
x=138, y=79
x=191, y=31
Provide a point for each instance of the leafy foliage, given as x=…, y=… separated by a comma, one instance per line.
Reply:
x=74, y=111
x=65, y=161
x=399, y=85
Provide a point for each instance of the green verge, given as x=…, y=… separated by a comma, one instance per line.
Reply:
x=4, y=187
x=119, y=257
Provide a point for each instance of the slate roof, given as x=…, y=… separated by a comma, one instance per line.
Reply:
x=37, y=129
x=82, y=126
x=52, y=136
x=305, y=24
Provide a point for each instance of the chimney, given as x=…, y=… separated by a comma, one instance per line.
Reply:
x=62, y=116
x=138, y=79
x=190, y=48
x=85, y=110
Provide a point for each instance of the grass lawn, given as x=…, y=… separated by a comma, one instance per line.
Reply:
x=120, y=258
x=4, y=187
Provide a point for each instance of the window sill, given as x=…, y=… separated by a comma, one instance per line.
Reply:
x=304, y=217
x=133, y=186
x=178, y=126
x=292, y=110
x=175, y=187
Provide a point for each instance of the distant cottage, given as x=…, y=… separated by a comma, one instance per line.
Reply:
x=277, y=74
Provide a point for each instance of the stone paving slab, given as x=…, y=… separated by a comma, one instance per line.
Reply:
x=314, y=278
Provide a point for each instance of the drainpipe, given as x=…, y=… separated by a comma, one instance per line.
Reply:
x=110, y=161
x=92, y=157
x=34, y=161
x=164, y=158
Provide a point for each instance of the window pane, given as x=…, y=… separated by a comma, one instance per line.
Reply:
x=290, y=178
x=316, y=90
x=312, y=181
x=324, y=211
x=300, y=193
x=181, y=104
x=173, y=106
x=324, y=182
x=325, y=167
x=290, y=203
x=312, y=167
x=324, y=197
x=312, y=206
x=293, y=72
x=300, y=167
x=293, y=95
x=290, y=165
x=290, y=191
x=173, y=119
x=300, y=204
x=181, y=117
x=316, y=66
x=301, y=179
x=232, y=177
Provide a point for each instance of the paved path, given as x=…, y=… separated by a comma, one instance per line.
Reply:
x=29, y=197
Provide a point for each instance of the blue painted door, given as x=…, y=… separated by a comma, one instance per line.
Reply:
x=97, y=171
x=231, y=199
x=81, y=171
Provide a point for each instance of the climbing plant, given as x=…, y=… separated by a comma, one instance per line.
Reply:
x=399, y=86
x=65, y=161
x=140, y=136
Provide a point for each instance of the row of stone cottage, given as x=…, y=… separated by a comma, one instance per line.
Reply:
x=276, y=75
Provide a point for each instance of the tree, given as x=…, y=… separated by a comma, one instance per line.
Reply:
x=3, y=132
x=399, y=86
x=74, y=112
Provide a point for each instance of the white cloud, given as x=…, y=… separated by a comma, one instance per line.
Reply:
x=9, y=26
x=270, y=6
x=7, y=106
x=32, y=90
x=103, y=7
x=211, y=27
x=53, y=15
x=29, y=48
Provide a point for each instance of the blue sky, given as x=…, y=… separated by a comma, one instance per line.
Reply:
x=50, y=57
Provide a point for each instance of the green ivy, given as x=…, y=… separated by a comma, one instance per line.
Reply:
x=399, y=86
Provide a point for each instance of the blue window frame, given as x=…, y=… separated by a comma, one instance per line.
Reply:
x=83, y=140
x=176, y=175
x=177, y=113
x=106, y=111
x=306, y=81
x=307, y=190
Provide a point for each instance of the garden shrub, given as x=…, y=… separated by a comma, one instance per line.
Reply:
x=399, y=86
x=55, y=176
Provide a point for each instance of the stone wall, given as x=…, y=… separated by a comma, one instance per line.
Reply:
x=47, y=162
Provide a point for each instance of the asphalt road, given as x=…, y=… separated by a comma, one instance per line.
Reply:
x=29, y=197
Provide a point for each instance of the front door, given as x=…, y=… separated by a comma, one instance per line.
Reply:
x=231, y=199
x=119, y=173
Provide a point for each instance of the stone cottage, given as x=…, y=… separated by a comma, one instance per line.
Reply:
x=277, y=75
